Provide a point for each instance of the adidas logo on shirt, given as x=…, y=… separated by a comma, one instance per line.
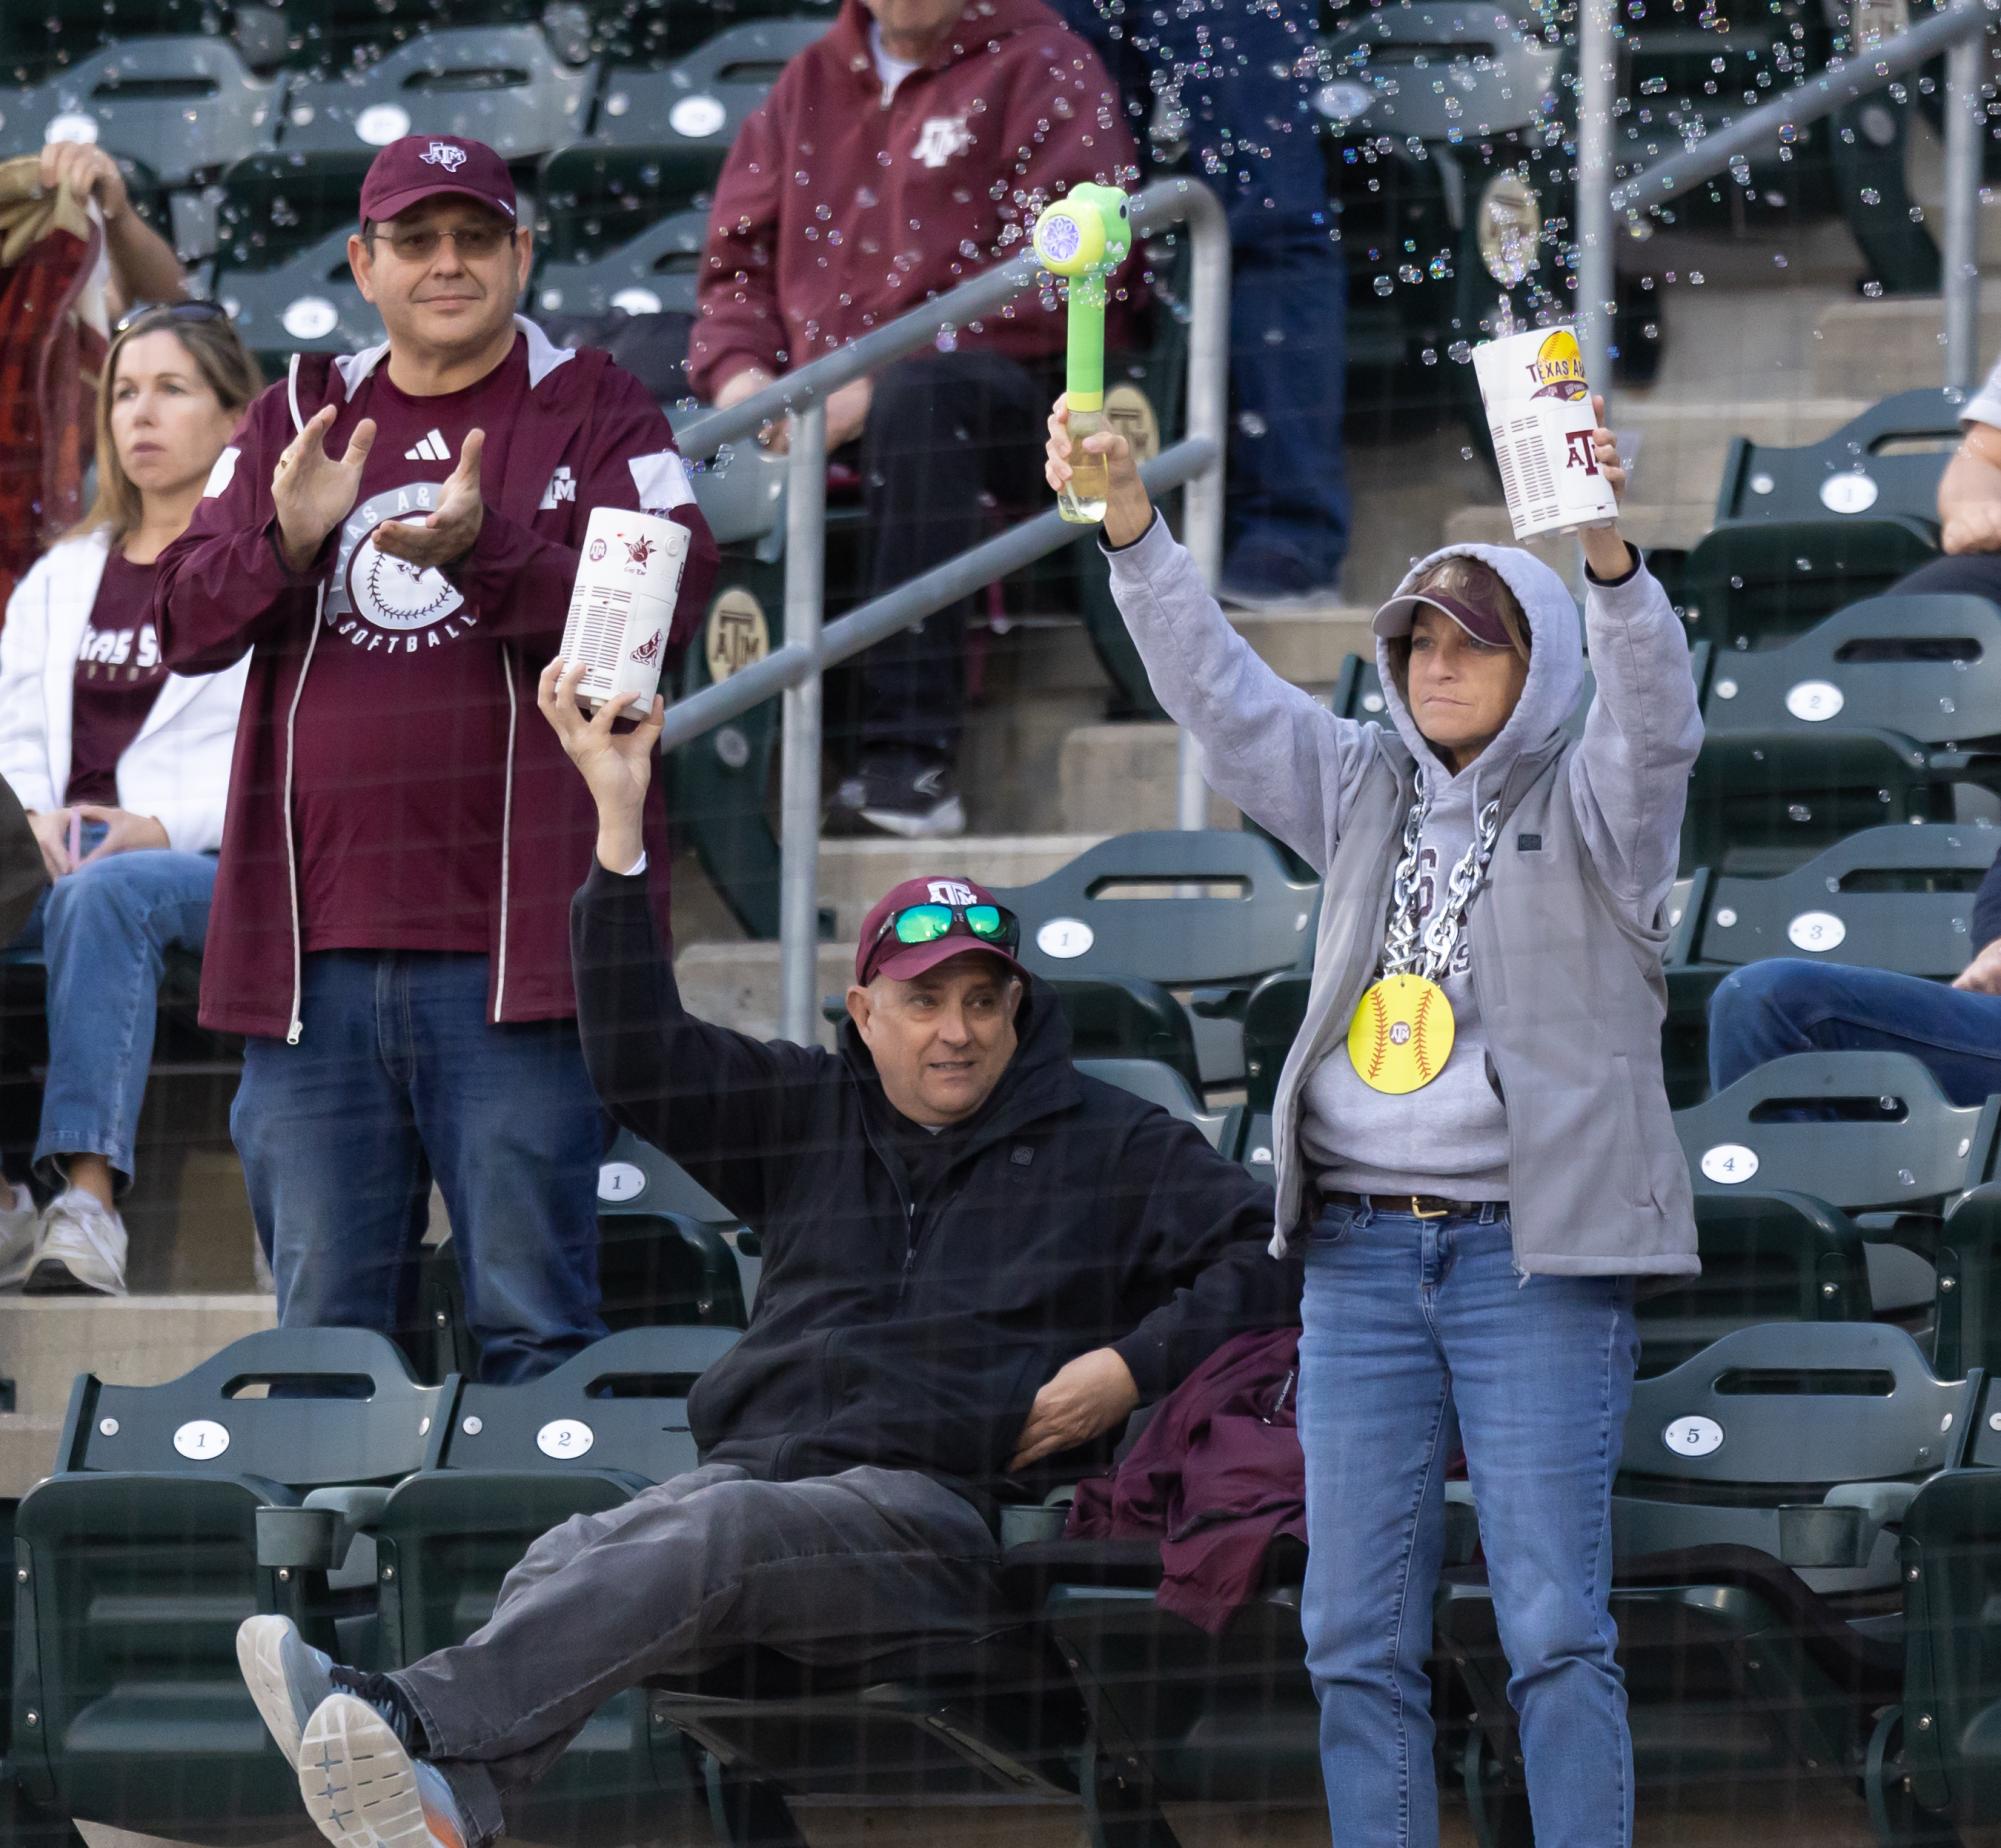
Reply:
x=433, y=448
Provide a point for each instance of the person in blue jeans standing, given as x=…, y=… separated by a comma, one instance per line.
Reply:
x=1237, y=82
x=1471, y=1132
x=123, y=770
x=391, y=539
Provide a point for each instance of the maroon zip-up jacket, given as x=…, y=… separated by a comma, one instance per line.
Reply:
x=904, y=197
x=589, y=436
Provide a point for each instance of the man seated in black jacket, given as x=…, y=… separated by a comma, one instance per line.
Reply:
x=977, y=1262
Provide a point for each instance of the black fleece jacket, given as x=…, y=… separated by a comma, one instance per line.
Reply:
x=914, y=1333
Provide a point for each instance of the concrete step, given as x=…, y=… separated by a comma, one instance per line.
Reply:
x=27, y=1452
x=1893, y=345
x=45, y=1341
x=736, y=985
x=1123, y=777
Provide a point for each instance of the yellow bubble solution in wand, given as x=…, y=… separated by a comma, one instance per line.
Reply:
x=1083, y=237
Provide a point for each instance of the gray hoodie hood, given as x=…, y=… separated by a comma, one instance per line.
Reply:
x=1556, y=665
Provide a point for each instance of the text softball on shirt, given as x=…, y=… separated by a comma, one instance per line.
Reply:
x=380, y=602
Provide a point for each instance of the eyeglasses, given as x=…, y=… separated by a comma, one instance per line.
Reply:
x=169, y=311
x=471, y=242
x=914, y=924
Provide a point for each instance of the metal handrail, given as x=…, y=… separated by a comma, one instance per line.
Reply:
x=1956, y=31
x=794, y=670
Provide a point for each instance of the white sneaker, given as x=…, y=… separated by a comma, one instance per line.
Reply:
x=19, y=1226
x=82, y=1248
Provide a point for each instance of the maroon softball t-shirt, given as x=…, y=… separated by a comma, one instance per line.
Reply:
x=119, y=675
x=399, y=770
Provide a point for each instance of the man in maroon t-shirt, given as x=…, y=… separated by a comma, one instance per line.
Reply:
x=393, y=536
x=931, y=132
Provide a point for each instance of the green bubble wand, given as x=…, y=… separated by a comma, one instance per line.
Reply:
x=1083, y=237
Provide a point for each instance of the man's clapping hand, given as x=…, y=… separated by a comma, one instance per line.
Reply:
x=311, y=492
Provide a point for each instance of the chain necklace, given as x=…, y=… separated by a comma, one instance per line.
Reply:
x=1403, y=954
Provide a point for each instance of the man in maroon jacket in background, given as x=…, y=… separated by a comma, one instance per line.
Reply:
x=906, y=151
x=393, y=536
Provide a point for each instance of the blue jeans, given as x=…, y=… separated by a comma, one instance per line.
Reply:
x=1243, y=75
x=1768, y=1009
x=104, y=932
x=1408, y=1322
x=399, y=1075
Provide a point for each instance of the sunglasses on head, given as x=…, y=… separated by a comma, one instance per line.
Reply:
x=915, y=924
x=169, y=311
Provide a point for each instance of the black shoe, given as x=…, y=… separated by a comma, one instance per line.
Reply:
x=903, y=793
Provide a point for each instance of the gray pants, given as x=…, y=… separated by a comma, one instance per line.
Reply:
x=831, y=1570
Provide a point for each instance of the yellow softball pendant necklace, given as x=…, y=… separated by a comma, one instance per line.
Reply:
x=1402, y=1031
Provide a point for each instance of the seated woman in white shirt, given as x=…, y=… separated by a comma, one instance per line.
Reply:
x=123, y=770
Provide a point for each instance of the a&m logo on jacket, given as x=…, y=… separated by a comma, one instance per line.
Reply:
x=444, y=154
x=380, y=602
x=941, y=138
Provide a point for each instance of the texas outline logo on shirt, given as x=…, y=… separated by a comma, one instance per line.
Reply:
x=940, y=138
x=376, y=601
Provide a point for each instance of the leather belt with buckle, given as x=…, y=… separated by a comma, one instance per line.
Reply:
x=1418, y=1206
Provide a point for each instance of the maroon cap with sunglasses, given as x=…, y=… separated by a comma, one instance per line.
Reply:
x=877, y=951
x=421, y=167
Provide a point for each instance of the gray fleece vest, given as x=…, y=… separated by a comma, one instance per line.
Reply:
x=1572, y=998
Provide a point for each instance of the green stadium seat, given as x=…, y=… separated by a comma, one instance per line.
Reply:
x=1896, y=898
x=656, y=272
x=329, y=37
x=509, y=1464
x=38, y=41
x=1945, y=1782
x=184, y=108
x=596, y=199
x=1885, y=464
x=1758, y=1494
x=1130, y=906
x=1750, y=583
x=1764, y=802
x=662, y=34
x=1428, y=112
x=307, y=303
x=1968, y=1329
x=1927, y=667
x=699, y=100
x=1159, y=1083
x=137, y=1560
x=499, y=84
x=1863, y=1131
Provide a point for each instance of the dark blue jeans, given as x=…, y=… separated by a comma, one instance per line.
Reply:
x=1408, y=1325
x=104, y=932
x=398, y=1076
x=1768, y=1009
x=1243, y=73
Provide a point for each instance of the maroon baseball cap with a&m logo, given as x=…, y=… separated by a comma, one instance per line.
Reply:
x=421, y=167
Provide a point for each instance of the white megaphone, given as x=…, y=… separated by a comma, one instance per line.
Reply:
x=622, y=608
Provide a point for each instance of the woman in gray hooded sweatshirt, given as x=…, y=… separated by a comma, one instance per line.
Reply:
x=1471, y=1132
